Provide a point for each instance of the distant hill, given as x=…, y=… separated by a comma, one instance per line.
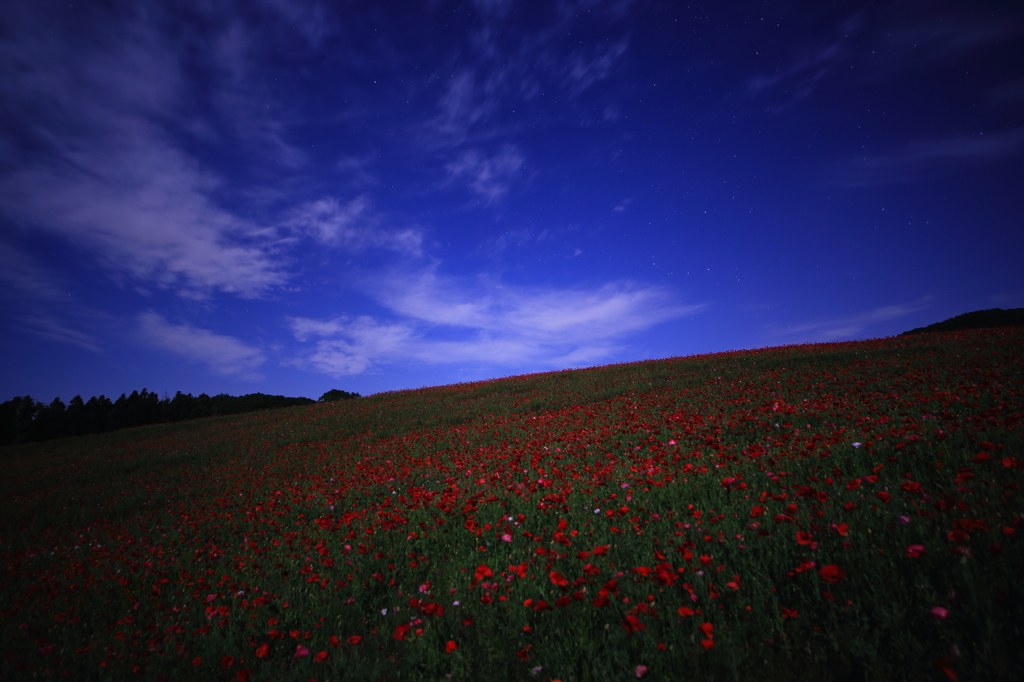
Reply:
x=995, y=317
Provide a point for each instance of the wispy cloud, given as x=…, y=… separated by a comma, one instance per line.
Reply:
x=350, y=226
x=928, y=159
x=806, y=70
x=224, y=355
x=489, y=177
x=846, y=327
x=495, y=8
x=462, y=107
x=24, y=274
x=910, y=39
x=585, y=68
x=444, y=321
x=47, y=326
x=113, y=181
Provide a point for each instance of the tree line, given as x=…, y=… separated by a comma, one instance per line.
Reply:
x=24, y=420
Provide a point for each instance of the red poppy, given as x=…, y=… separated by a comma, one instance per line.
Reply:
x=450, y=646
x=804, y=537
x=831, y=573
x=557, y=579
x=401, y=631
x=632, y=624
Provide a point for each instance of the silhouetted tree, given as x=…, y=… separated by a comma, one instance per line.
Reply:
x=979, y=319
x=23, y=420
x=336, y=394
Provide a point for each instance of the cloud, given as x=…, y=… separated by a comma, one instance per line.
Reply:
x=46, y=326
x=156, y=225
x=356, y=344
x=23, y=273
x=444, y=321
x=909, y=42
x=221, y=354
x=488, y=177
x=928, y=159
x=839, y=328
x=807, y=69
x=1010, y=91
x=495, y=8
x=587, y=68
x=461, y=108
x=350, y=226
x=112, y=180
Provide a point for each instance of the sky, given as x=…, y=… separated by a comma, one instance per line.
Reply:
x=288, y=197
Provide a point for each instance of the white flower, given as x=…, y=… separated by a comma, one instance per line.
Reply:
x=857, y=445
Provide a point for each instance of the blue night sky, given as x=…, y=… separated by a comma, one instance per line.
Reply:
x=286, y=196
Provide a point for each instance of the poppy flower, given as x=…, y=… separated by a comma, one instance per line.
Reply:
x=831, y=573
x=632, y=624
x=450, y=646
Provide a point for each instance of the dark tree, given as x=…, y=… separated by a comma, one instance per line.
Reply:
x=336, y=394
x=979, y=319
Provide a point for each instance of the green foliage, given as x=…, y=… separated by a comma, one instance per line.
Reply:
x=336, y=394
x=207, y=549
x=979, y=319
x=23, y=420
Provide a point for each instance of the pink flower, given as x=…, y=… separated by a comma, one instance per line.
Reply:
x=301, y=651
x=939, y=613
x=640, y=670
x=506, y=537
x=916, y=550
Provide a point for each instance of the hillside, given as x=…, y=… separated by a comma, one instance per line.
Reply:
x=820, y=512
x=979, y=319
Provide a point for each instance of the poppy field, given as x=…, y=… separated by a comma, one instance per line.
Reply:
x=820, y=512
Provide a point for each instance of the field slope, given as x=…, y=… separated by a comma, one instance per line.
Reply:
x=823, y=512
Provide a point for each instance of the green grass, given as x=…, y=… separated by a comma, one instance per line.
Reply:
x=111, y=545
